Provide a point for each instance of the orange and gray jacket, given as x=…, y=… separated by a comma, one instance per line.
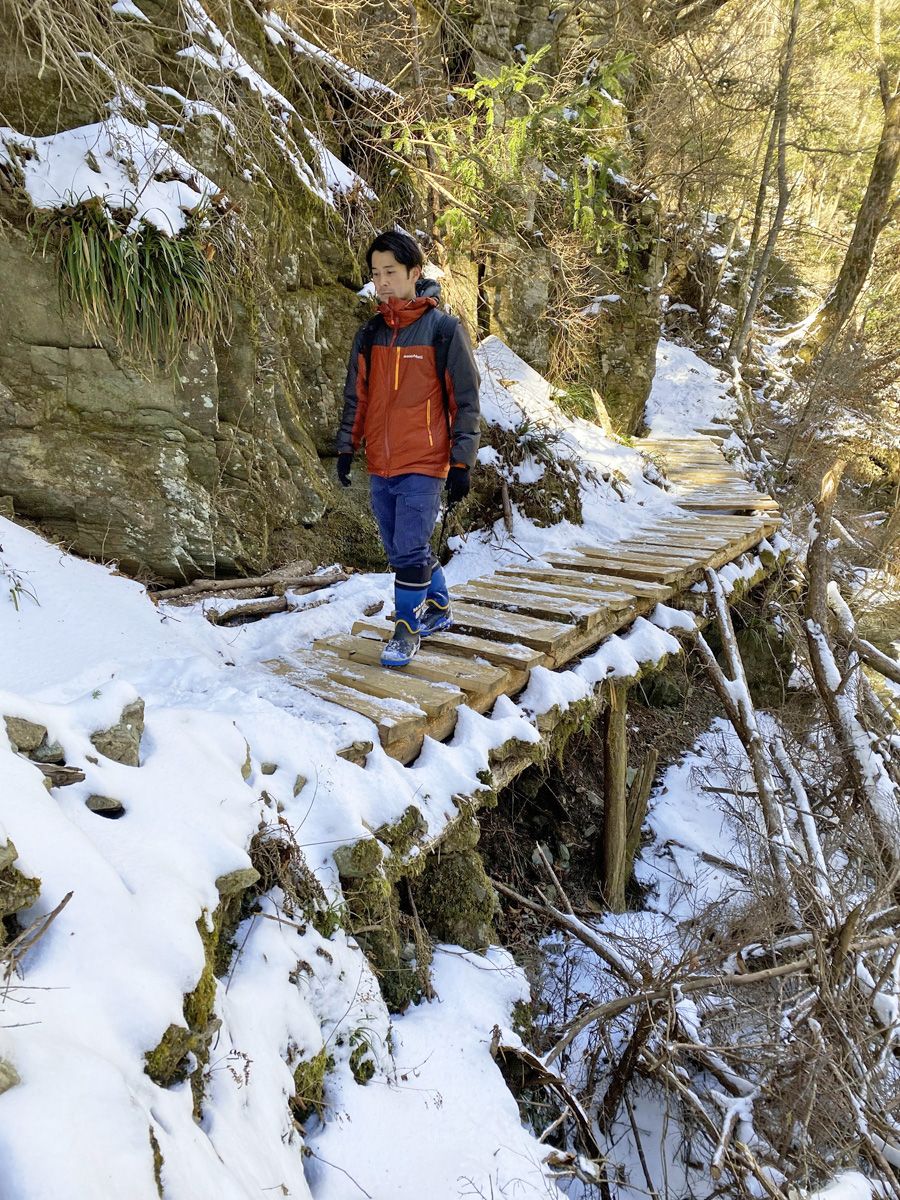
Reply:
x=397, y=409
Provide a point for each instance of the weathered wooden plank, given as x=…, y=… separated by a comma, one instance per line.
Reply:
x=635, y=568
x=549, y=583
x=666, y=569
x=395, y=721
x=482, y=682
x=546, y=636
x=657, y=553
x=434, y=699
x=730, y=504
x=682, y=542
x=539, y=599
x=523, y=599
x=589, y=579
x=593, y=566
x=709, y=522
x=515, y=656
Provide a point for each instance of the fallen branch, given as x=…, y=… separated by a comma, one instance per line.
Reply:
x=734, y=695
x=254, y=608
x=702, y=983
x=274, y=604
x=578, y=928
x=292, y=575
x=554, y=1083
x=13, y=952
x=850, y=639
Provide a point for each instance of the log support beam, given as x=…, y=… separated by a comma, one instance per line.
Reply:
x=615, y=798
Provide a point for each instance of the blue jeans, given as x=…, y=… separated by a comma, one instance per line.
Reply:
x=406, y=508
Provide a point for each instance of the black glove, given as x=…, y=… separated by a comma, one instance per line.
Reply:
x=343, y=468
x=458, y=483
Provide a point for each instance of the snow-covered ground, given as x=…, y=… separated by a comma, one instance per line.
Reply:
x=108, y=977
x=687, y=393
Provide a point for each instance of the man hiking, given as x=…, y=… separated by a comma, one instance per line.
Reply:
x=412, y=397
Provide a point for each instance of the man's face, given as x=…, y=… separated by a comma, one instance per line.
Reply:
x=392, y=280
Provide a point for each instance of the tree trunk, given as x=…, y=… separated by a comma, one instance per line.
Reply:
x=744, y=321
x=871, y=219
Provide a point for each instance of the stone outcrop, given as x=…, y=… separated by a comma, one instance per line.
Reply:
x=177, y=473
x=213, y=466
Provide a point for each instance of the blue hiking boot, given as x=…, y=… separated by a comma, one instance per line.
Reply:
x=434, y=617
x=402, y=646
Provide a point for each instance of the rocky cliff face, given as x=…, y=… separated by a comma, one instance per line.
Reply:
x=181, y=472
x=215, y=466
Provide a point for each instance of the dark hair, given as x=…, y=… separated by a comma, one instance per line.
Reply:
x=404, y=248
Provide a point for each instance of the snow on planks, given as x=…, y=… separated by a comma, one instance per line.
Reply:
x=546, y=613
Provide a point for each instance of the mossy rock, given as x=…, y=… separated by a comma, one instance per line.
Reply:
x=122, y=741
x=183, y=1050
x=456, y=901
x=17, y=890
x=309, y=1085
x=9, y=1076
x=462, y=833
x=167, y=1062
x=358, y=859
x=405, y=833
x=523, y=1020
x=386, y=935
x=158, y=1163
x=663, y=690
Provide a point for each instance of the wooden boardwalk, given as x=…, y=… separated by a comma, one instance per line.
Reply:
x=527, y=616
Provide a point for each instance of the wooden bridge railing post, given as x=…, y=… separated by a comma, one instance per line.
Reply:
x=615, y=816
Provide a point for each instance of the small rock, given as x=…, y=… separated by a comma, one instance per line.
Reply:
x=26, y=736
x=49, y=752
x=356, y=753
x=299, y=784
x=269, y=768
x=234, y=882
x=106, y=806
x=122, y=741
x=9, y=1076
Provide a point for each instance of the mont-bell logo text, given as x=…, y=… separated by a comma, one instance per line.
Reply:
x=419, y=356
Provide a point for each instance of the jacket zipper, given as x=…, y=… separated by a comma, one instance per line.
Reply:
x=387, y=444
x=428, y=421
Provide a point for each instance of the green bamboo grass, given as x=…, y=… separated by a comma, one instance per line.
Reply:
x=156, y=294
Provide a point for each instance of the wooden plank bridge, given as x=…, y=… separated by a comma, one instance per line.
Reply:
x=541, y=615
